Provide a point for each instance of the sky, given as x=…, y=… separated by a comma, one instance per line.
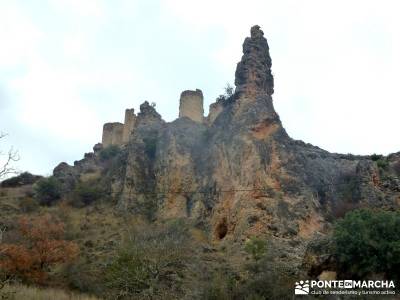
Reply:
x=69, y=66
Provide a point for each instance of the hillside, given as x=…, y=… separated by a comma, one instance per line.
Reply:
x=226, y=182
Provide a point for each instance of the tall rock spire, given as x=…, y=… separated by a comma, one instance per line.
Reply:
x=253, y=75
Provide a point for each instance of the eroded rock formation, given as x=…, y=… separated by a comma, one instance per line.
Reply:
x=253, y=73
x=239, y=174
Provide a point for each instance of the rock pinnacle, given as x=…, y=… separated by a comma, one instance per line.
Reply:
x=253, y=75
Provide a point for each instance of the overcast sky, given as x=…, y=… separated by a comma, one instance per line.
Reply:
x=68, y=66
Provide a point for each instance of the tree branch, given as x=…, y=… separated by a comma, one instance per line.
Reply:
x=12, y=156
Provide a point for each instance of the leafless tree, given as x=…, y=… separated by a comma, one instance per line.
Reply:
x=11, y=156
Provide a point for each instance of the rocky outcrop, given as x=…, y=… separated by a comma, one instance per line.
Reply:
x=89, y=168
x=67, y=176
x=140, y=179
x=239, y=174
x=253, y=73
x=240, y=171
x=214, y=111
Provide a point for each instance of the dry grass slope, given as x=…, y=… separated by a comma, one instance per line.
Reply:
x=22, y=292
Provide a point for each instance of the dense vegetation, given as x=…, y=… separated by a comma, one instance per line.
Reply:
x=38, y=246
x=109, y=152
x=77, y=241
x=368, y=242
x=20, y=180
x=47, y=190
x=151, y=262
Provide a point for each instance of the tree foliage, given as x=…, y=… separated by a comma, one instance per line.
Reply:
x=20, y=180
x=368, y=242
x=109, y=152
x=47, y=190
x=256, y=247
x=228, y=93
x=41, y=247
x=86, y=193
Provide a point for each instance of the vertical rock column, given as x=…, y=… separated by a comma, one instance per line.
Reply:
x=253, y=75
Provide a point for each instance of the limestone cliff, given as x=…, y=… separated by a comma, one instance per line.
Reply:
x=239, y=174
x=242, y=175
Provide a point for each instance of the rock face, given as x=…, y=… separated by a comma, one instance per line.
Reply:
x=191, y=105
x=214, y=110
x=239, y=174
x=240, y=171
x=253, y=73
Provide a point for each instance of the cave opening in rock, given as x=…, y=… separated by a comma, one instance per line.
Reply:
x=222, y=229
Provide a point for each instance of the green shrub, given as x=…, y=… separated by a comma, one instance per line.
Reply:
x=368, y=242
x=47, y=190
x=20, y=180
x=109, y=152
x=382, y=163
x=83, y=277
x=221, y=286
x=268, y=277
x=228, y=93
x=256, y=247
x=85, y=193
x=376, y=157
x=268, y=283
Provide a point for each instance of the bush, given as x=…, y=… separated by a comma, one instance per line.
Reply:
x=256, y=247
x=376, y=157
x=20, y=180
x=221, y=286
x=368, y=242
x=42, y=246
x=269, y=283
x=228, y=93
x=150, y=263
x=47, y=190
x=109, y=152
x=269, y=277
x=84, y=277
x=85, y=193
x=382, y=163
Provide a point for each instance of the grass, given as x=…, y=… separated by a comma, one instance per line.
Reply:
x=22, y=292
